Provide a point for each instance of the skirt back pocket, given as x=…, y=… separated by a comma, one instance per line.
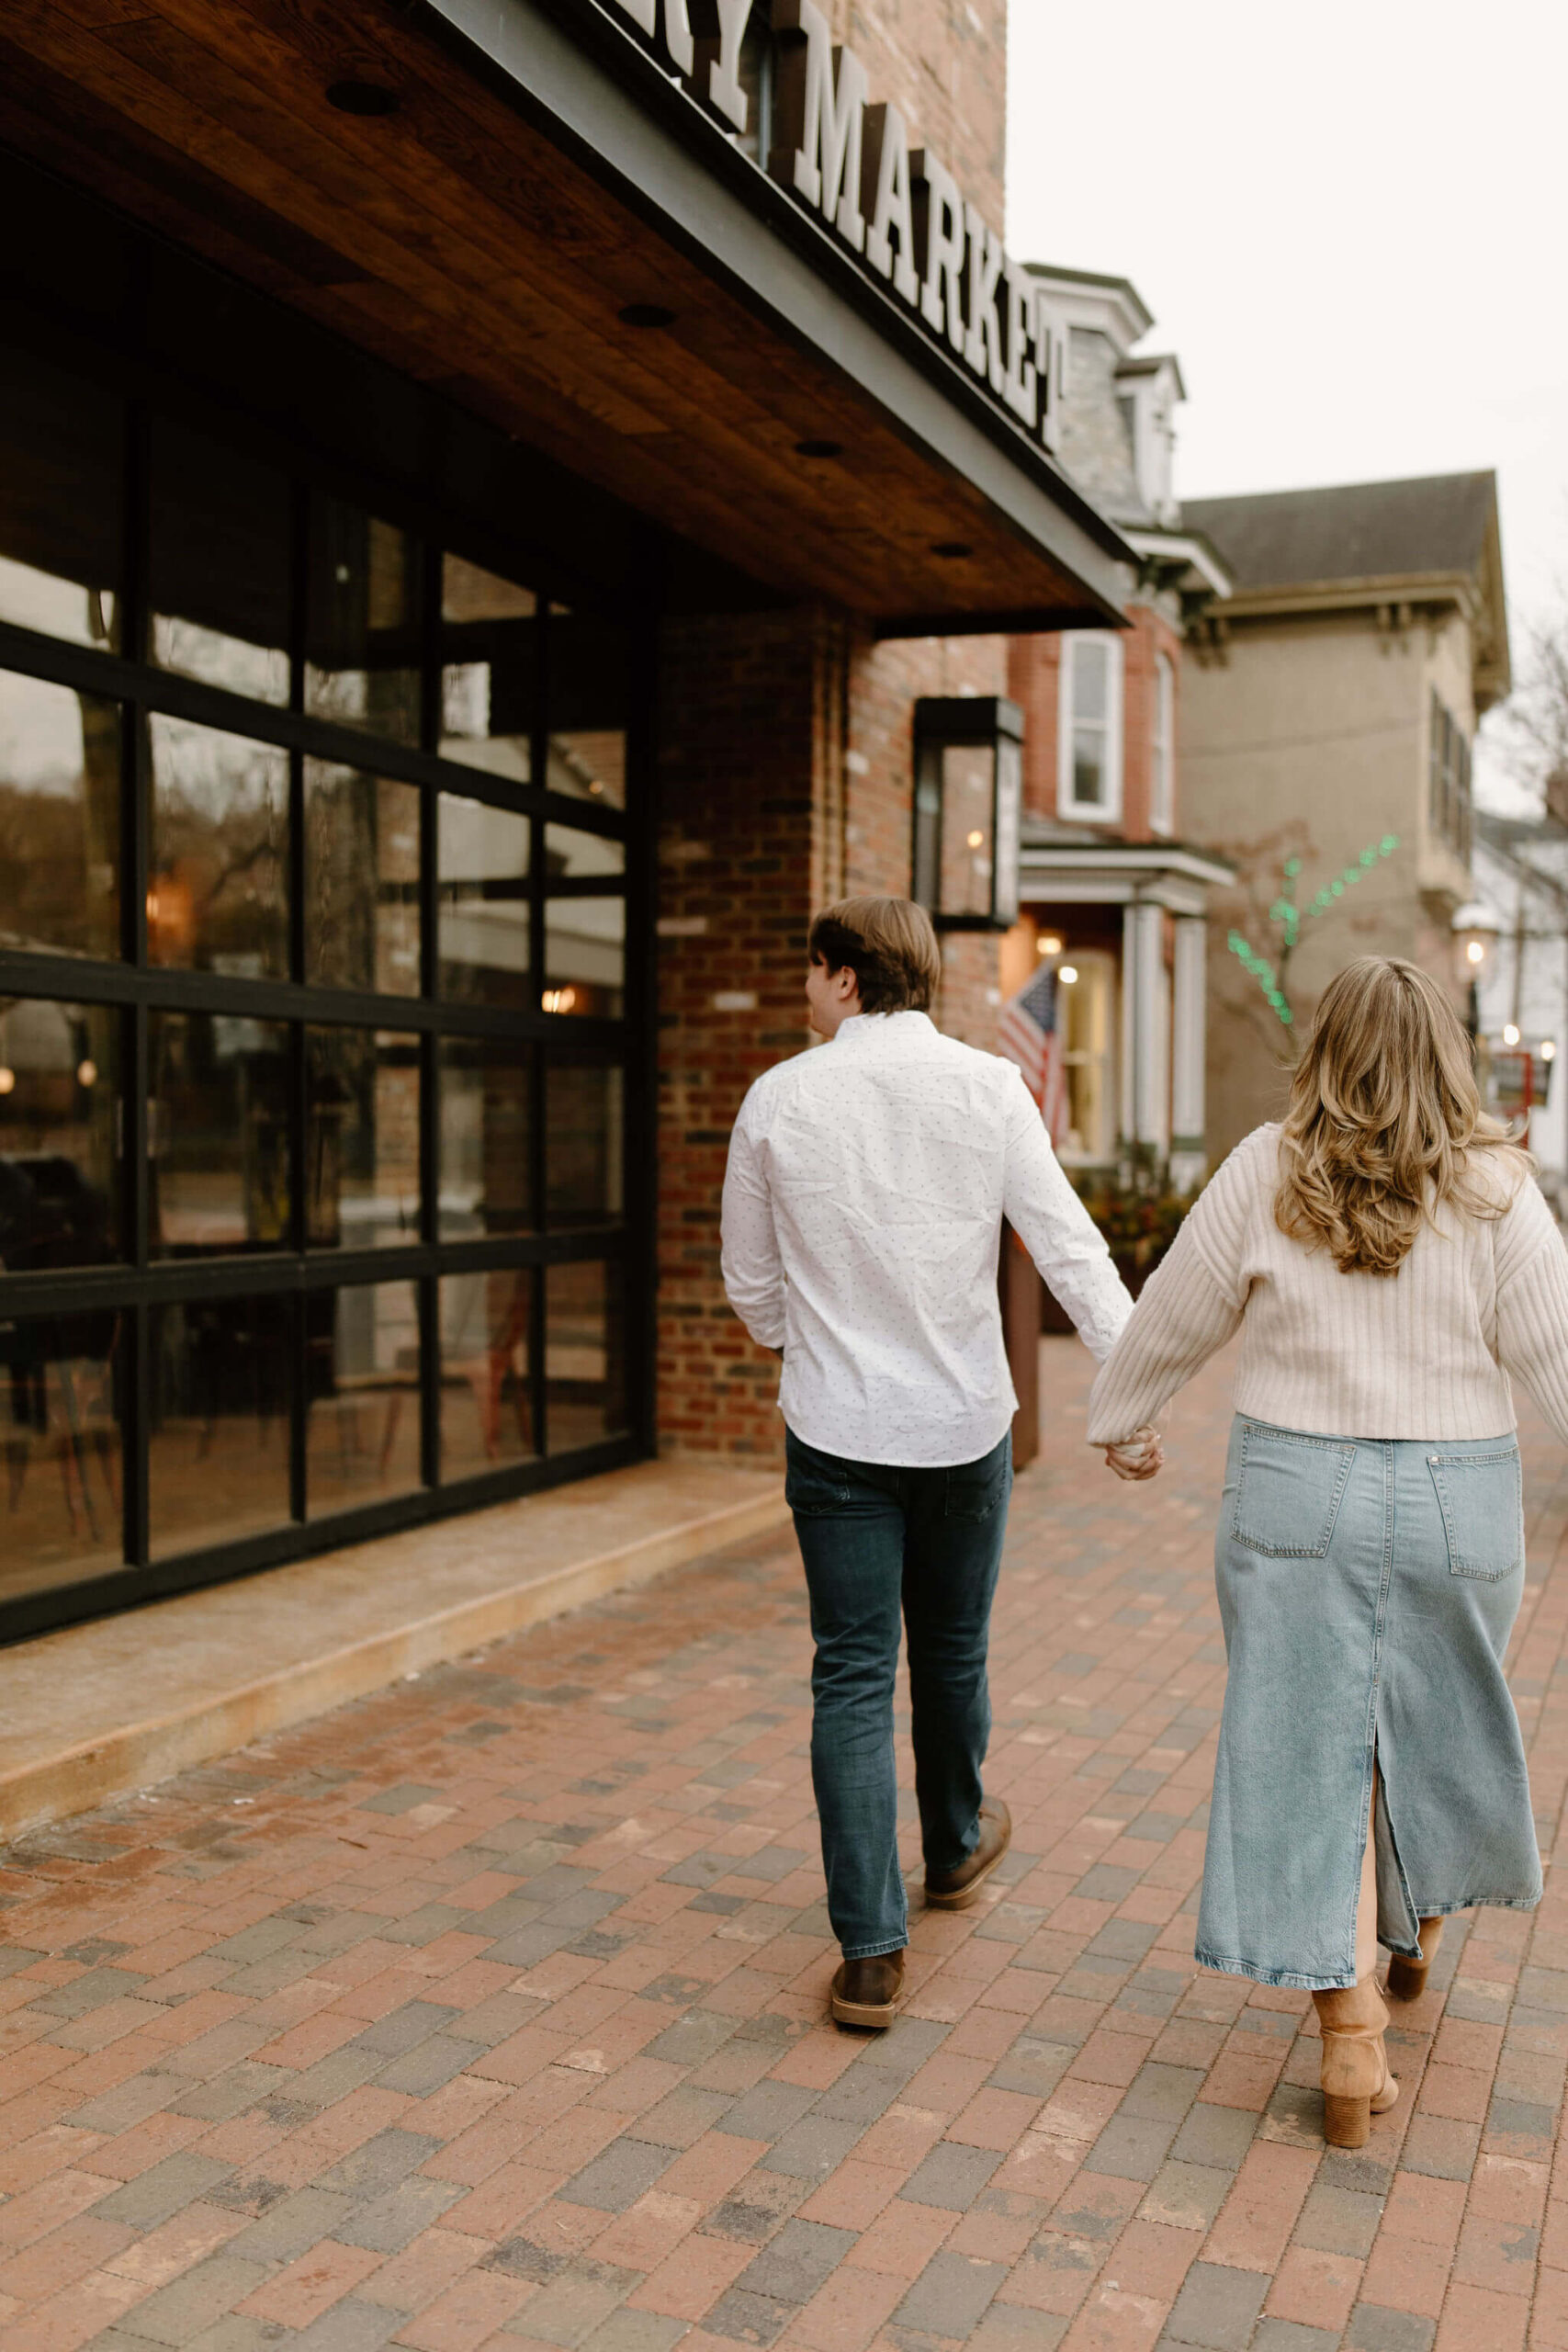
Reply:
x=1480, y=1497
x=1288, y=1492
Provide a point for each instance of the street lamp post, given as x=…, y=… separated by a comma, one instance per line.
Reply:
x=1476, y=931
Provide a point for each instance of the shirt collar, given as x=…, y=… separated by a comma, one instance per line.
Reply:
x=864, y=1030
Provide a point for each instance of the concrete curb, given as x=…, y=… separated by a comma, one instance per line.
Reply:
x=95, y=1772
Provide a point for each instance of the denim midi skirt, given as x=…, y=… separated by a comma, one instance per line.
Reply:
x=1367, y=1587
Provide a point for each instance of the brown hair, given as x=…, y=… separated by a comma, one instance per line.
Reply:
x=888, y=943
x=1384, y=1123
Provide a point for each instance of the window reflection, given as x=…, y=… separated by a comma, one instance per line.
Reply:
x=217, y=1133
x=591, y=766
x=362, y=1396
x=483, y=924
x=361, y=880
x=570, y=854
x=589, y=676
x=489, y=667
x=584, y=1142
x=60, y=1076
x=486, y=1183
x=61, y=1399
x=219, y=1450
x=60, y=837
x=219, y=564
x=361, y=1139
x=362, y=618
x=62, y=502
x=968, y=814
x=585, y=956
x=217, y=893
x=585, y=1358
x=487, y=1405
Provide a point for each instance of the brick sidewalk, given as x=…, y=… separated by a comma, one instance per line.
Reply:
x=489, y=2012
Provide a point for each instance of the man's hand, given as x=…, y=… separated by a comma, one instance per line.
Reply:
x=1139, y=1457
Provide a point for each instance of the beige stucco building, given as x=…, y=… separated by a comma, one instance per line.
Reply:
x=1328, y=710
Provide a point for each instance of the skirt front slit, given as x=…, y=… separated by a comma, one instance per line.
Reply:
x=1367, y=1589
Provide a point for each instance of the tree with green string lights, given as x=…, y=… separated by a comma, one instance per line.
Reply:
x=1288, y=915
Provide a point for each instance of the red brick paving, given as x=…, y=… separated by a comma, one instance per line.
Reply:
x=487, y=2015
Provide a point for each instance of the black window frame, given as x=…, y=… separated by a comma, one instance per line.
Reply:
x=139, y=1284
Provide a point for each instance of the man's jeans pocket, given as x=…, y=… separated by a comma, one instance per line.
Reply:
x=975, y=1489
x=814, y=1481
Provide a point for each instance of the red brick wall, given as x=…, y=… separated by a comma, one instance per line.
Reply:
x=1034, y=671
x=944, y=64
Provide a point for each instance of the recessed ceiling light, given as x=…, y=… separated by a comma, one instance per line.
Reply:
x=646, y=314
x=953, y=550
x=362, y=97
x=818, y=448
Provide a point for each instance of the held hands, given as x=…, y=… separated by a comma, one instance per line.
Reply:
x=1138, y=1456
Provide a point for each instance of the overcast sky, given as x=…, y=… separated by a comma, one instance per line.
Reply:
x=1348, y=221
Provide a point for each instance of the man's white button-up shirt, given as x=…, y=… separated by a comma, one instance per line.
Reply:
x=863, y=1210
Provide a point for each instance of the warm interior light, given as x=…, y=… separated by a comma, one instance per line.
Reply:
x=1510, y=1033
x=1474, y=951
x=87, y=1073
x=1548, y=1048
x=7, y=1080
x=1067, y=974
x=975, y=840
x=558, y=999
x=1048, y=943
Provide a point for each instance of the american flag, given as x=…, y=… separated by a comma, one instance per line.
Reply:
x=1029, y=1035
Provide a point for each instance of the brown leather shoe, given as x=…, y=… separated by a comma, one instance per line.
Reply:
x=867, y=1992
x=955, y=1889
x=1407, y=1978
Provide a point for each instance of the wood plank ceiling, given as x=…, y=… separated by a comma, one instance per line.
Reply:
x=457, y=243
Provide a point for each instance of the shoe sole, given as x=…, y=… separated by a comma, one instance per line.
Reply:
x=877, y=2015
x=963, y=1896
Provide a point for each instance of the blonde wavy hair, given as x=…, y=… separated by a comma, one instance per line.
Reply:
x=1384, y=1125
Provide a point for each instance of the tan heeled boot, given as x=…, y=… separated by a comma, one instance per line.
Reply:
x=1357, y=2084
x=1407, y=1978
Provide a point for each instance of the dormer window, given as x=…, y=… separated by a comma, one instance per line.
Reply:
x=1090, y=769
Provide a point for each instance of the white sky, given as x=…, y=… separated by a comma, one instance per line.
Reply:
x=1348, y=221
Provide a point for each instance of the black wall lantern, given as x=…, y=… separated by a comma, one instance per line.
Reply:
x=969, y=785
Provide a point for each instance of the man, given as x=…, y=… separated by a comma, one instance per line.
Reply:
x=862, y=1214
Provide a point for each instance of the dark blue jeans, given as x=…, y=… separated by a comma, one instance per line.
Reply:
x=878, y=1541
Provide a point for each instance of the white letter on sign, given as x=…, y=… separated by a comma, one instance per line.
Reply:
x=1021, y=386
x=892, y=203
x=939, y=218
x=983, y=348
x=644, y=13
x=820, y=113
x=720, y=28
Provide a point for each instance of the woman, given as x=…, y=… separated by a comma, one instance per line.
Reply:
x=1390, y=1261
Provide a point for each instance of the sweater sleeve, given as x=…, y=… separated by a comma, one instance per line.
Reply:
x=1192, y=1305
x=1532, y=1303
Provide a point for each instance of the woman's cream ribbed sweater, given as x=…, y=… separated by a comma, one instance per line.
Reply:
x=1423, y=1353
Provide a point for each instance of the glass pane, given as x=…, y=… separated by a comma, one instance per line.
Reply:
x=483, y=888
x=488, y=669
x=589, y=698
x=584, y=1141
x=217, y=1133
x=361, y=1396
x=220, y=564
x=1089, y=767
x=60, y=1080
x=62, y=502
x=362, y=622
x=486, y=1183
x=1091, y=667
x=219, y=1413
x=585, y=956
x=361, y=1139
x=59, y=1429
x=361, y=880
x=218, y=896
x=570, y=854
x=59, y=761
x=968, y=817
x=487, y=1405
x=585, y=1355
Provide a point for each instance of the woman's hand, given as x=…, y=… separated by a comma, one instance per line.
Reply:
x=1139, y=1457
